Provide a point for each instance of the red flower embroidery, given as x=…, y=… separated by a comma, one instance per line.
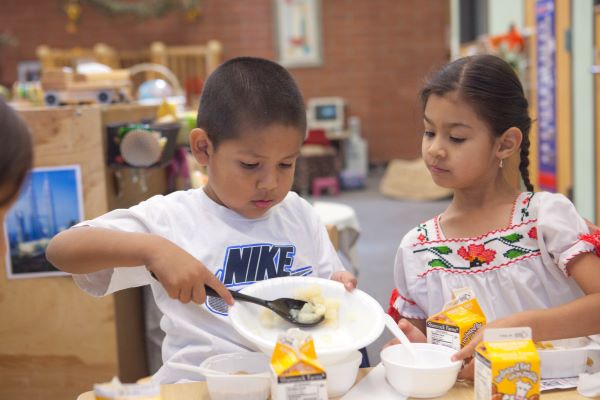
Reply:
x=526, y=200
x=477, y=254
x=421, y=237
x=594, y=239
x=532, y=233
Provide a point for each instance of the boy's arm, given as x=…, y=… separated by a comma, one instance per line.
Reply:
x=88, y=249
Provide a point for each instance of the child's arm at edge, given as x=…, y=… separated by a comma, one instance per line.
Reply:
x=86, y=249
x=580, y=317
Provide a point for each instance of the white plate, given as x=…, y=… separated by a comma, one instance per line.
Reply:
x=360, y=317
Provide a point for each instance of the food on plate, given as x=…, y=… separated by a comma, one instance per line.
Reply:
x=316, y=306
x=544, y=345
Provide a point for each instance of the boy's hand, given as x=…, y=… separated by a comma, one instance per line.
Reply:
x=182, y=275
x=413, y=333
x=345, y=277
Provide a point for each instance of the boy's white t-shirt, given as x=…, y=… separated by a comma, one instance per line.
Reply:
x=288, y=240
x=521, y=267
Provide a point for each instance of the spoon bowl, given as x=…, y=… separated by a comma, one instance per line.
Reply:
x=285, y=307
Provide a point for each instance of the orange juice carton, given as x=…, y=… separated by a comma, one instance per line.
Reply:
x=115, y=390
x=458, y=322
x=507, y=365
x=296, y=371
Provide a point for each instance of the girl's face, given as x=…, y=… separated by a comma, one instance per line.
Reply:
x=458, y=147
x=253, y=172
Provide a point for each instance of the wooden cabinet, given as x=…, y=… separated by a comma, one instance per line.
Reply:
x=55, y=340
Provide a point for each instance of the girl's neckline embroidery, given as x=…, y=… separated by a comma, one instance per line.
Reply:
x=442, y=237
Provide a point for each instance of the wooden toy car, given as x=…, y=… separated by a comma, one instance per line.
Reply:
x=64, y=86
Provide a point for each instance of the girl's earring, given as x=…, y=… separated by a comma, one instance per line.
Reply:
x=501, y=163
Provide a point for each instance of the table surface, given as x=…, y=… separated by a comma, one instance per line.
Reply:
x=460, y=391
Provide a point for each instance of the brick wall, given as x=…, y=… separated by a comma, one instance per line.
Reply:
x=375, y=52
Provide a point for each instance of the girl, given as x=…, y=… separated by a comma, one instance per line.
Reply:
x=15, y=161
x=522, y=253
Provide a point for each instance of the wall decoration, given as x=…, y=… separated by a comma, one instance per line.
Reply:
x=298, y=32
x=50, y=201
x=149, y=8
x=73, y=10
x=546, y=93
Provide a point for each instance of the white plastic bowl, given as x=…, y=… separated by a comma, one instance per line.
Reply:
x=342, y=374
x=568, y=358
x=434, y=375
x=360, y=317
x=235, y=376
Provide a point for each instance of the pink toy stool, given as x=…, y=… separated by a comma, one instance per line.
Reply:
x=325, y=182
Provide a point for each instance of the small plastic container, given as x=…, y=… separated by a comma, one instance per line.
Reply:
x=341, y=375
x=433, y=376
x=236, y=376
x=563, y=358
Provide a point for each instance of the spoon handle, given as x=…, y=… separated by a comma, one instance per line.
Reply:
x=239, y=296
x=397, y=332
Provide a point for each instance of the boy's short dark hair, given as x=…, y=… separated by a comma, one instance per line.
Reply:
x=16, y=153
x=249, y=93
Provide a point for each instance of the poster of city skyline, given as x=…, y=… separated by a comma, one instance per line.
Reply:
x=50, y=202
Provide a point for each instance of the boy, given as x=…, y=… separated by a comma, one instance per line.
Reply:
x=244, y=226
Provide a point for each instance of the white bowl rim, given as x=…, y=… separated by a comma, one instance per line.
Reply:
x=584, y=347
x=376, y=323
x=209, y=372
x=424, y=346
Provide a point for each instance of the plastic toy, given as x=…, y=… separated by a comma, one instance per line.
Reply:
x=64, y=86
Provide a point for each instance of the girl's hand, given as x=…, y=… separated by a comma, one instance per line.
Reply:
x=182, y=275
x=413, y=333
x=466, y=356
x=345, y=277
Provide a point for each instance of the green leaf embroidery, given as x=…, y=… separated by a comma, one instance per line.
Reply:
x=443, y=249
x=513, y=237
x=437, y=263
x=513, y=253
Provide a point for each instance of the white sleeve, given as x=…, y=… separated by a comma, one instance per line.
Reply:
x=135, y=219
x=559, y=228
x=404, y=302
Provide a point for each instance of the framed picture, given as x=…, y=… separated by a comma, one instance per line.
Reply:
x=298, y=32
x=50, y=201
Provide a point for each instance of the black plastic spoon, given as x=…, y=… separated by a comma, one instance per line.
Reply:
x=282, y=307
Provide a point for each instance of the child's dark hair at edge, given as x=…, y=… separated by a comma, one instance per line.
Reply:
x=493, y=89
x=16, y=154
x=248, y=93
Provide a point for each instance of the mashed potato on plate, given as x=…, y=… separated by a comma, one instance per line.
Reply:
x=315, y=307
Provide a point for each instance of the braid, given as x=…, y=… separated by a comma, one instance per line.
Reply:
x=524, y=164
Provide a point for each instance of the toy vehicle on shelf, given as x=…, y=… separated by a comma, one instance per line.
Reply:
x=64, y=86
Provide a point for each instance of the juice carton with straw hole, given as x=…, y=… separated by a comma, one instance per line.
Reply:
x=507, y=365
x=458, y=322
